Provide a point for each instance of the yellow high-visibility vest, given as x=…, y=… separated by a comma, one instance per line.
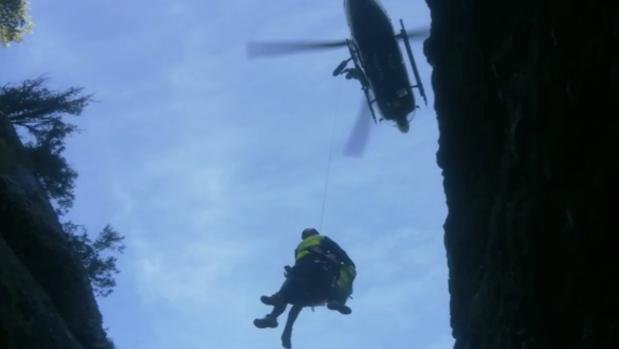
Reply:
x=306, y=246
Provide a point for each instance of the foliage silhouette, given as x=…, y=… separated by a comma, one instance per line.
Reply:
x=97, y=256
x=39, y=116
x=14, y=20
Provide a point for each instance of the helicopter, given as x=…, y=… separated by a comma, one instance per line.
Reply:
x=377, y=63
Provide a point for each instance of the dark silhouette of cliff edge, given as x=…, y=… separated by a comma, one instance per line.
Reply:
x=527, y=97
x=46, y=300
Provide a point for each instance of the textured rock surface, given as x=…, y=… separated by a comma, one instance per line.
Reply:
x=45, y=296
x=527, y=97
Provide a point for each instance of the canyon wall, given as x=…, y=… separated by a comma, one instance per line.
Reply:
x=46, y=301
x=527, y=99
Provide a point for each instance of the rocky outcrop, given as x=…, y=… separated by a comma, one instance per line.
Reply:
x=527, y=97
x=45, y=296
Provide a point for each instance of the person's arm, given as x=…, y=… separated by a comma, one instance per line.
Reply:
x=332, y=246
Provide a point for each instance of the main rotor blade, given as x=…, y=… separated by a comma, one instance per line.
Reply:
x=279, y=48
x=360, y=134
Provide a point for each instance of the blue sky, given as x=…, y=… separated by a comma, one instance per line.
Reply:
x=211, y=165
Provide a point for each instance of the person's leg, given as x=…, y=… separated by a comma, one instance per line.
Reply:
x=292, y=317
x=283, y=295
x=287, y=292
x=296, y=284
x=337, y=301
x=339, y=305
x=314, y=287
x=306, y=282
x=270, y=320
x=341, y=290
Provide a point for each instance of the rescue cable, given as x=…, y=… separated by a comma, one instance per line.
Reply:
x=327, y=174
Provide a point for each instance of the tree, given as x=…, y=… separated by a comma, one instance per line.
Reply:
x=14, y=20
x=97, y=256
x=40, y=114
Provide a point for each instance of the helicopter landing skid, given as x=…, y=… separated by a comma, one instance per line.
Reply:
x=404, y=36
x=357, y=73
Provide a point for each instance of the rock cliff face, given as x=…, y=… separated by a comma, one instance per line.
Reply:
x=527, y=97
x=45, y=297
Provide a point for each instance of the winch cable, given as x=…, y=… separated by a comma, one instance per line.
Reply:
x=327, y=173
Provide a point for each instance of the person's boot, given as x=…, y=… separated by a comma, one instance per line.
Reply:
x=266, y=322
x=342, y=308
x=274, y=300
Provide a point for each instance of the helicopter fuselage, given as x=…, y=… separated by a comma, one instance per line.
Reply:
x=381, y=58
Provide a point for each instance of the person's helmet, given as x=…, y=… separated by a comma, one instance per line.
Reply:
x=307, y=232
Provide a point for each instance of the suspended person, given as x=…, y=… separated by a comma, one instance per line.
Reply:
x=322, y=272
